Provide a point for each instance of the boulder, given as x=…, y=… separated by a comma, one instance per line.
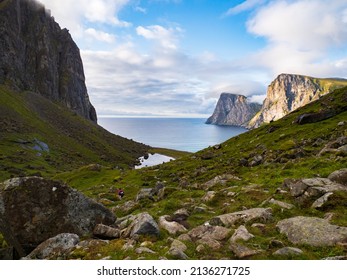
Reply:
x=184, y=237
x=106, y=232
x=209, y=242
x=258, y=159
x=324, y=184
x=312, y=231
x=123, y=222
x=208, y=196
x=158, y=187
x=315, y=117
x=177, y=250
x=180, y=215
x=242, y=251
x=178, y=245
x=171, y=226
x=209, y=236
x=56, y=247
x=342, y=149
x=339, y=176
x=144, y=194
x=220, y=179
x=142, y=250
x=306, y=191
x=249, y=215
x=177, y=254
x=322, y=200
x=127, y=206
x=142, y=224
x=281, y=204
x=288, y=251
x=296, y=187
x=241, y=233
x=207, y=231
x=36, y=209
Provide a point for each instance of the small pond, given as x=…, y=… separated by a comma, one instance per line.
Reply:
x=152, y=160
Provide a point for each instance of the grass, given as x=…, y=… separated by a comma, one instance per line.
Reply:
x=287, y=150
x=72, y=140
x=169, y=152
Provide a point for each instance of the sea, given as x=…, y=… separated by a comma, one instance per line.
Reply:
x=184, y=134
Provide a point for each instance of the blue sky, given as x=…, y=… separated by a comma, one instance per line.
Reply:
x=175, y=57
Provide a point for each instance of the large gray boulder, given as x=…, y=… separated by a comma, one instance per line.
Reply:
x=241, y=233
x=220, y=179
x=142, y=224
x=209, y=236
x=312, y=231
x=249, y=215
x=106, y=232
x=316, y=190
x=339, y=176
x=56, y=247
x=242, y=251
x=36, y=209
x=171, y=226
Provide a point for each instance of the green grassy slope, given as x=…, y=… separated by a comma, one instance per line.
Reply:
x=287, y=149
x=28, y=119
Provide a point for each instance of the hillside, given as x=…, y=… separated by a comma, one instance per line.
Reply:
x=38, y=136
x=274, y=177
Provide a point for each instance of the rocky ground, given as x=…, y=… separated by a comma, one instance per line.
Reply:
x=80, y=226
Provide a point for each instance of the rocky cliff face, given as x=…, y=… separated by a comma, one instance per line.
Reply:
x=289, y=92
x=37, y=55
x=233, y=109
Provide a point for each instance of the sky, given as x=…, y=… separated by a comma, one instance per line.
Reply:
x=173, y=58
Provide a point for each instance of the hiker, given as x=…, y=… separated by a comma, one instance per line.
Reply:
x=120, y=193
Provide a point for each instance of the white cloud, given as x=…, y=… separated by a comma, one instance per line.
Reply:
x=166, y=37
x=301, y=24
x=100, y=35
x=140, y=9
x=126, y=81
x=72, y=14
x=244, y=6
x=301, y=37
x=257, y=98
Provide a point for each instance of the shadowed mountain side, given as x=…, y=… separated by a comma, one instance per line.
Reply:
x=37, y=55
x=38, y=135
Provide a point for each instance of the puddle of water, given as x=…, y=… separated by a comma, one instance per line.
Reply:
x=152, y=160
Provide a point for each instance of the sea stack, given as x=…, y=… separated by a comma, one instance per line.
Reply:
x=233, y=109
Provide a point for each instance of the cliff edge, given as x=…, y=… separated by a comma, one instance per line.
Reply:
x=38, y=56
x=289, y=92
x=233, y=109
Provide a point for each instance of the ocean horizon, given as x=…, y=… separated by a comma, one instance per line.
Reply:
x=184, y=134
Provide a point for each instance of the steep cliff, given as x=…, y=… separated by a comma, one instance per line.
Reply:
x=38, y=56
x=289, y=92
x=233, y=109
